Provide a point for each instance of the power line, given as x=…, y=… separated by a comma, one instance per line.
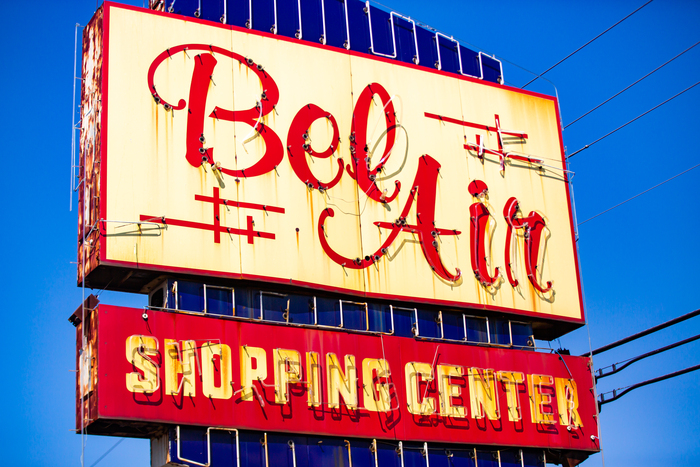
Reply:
x=640, y=79
x=617, y=395
x=584, y=45
x=108, y=451
x=651, y=330
x=638, y=195
x=634, y=119
x=626, y=363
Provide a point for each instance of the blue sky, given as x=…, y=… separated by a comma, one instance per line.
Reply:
x=638, y=261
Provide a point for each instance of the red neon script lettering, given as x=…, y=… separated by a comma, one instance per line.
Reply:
x=361, y=169
x=479, y=217
x=533, y=227
x=205, y=63
x=298, y=143
x=424, y=188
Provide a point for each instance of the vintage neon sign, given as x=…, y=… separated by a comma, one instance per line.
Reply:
x=179, y=368
x=422, y=191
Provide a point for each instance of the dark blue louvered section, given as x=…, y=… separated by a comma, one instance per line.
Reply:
x=348, y=24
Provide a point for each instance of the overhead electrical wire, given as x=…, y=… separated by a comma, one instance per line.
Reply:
x=107, y=452
x=640, y=79
x=644, y=333
x=625, y=390
x=584, y=45
x=619, y=366
x=634, y=119
x=617, y=393
x=640, y=194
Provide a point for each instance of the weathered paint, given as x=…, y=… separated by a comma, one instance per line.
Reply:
x=147, y=176
x=336, y=383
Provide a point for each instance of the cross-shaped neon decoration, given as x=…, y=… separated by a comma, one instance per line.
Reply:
x=479, y=147
x=216, y=226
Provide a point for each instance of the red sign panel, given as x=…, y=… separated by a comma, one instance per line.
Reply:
x=196, y=370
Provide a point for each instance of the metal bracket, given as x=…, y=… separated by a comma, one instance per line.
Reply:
x=416, y=58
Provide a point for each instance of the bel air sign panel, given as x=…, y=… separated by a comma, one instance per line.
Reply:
x=191, y=369
x=243, y=155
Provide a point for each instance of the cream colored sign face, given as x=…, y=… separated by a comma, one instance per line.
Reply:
x=250, y=156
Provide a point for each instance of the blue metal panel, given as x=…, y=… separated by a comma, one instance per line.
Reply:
x=510, y=458
x=451, y=457
x=428, y=325
x=405, y=40
x=327, y=451
x=252, y=449
x=212, y=10
x=427, y=47
x=487, y=458
x=388, y=455
x=336, y=31
x=280, y=452
x=223, y=447
x=190, y=296
x=219, y=301
x=286, y=450
x=492, y=68
x=354, y=316
x=448, y=55
x=301, y=309
x=521, y=333
x=476, y=329
x=311, y=21
x=381, y=31
x=470, y=62
x=328, y=312
x=263, y=16
x=500, y=332
x=533, y=458
x=237, y=13
x=359, y=26
x=182, y=7
x=453, y=326
x=336, y=34
x=404, y=322
x=193, y=446
x=244, y=303
x=413, y=455
x=362, y=456
x=288, y=18
x=274, y=306
x=379, y=318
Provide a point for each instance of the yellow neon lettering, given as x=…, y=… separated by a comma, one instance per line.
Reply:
x=250, y=374
x=180, y=361
x=287, y=370
x=209, y=388
x=313, y=370
x=539, y=400
x=447, y=390
x=482, y=394
x=567, y=402
x=139, y=351
x=341, y=383
x=412, y=371
x=511, y=380
x=376, y=395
